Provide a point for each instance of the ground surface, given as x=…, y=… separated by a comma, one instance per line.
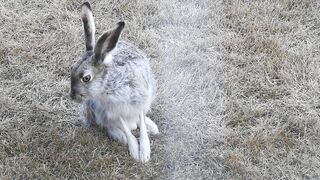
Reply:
x=238, y=90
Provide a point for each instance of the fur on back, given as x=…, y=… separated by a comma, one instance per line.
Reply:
x=124, y=88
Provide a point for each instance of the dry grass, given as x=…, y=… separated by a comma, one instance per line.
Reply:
x=238, y=90
x=272, y=85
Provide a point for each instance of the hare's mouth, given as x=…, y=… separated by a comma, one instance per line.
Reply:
x=78, y=97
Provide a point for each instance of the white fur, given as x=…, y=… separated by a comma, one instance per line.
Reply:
x=92, y=27
x=108, y=59
x=144, y=140
x=151, y=126
x=132, y=141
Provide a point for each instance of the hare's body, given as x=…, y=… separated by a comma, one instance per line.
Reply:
x=116, y=83
x=126, y=89
x=127, y=85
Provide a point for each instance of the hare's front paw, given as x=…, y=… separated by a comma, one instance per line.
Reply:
x=145, y=155
x=133, y=148
x=144, y=149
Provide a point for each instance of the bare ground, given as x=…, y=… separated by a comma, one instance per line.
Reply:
x=238, y=90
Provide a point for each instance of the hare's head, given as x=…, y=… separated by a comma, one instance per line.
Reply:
x=88, y=71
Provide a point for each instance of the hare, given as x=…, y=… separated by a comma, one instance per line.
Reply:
x=114, y=82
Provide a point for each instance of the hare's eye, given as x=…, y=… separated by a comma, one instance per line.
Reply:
x=86, y=78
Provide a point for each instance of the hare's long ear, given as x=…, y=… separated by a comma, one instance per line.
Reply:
x=88, y=25
x=107, y=42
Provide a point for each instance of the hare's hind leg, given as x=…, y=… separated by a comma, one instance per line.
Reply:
x=144, y=140
x=151, y=126
x=132, y=141
x=117, y=135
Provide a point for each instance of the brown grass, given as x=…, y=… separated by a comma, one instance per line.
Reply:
x=272, y=84
x=238, y=90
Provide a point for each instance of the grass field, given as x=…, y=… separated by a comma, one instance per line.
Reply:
x=238, y=95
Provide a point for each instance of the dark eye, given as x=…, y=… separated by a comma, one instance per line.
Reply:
x=86, y=78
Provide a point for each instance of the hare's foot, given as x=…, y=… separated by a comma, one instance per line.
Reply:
x=144, y=140
x=117, y=135
x=134, y=148
x=152, y=128
x=132, y=141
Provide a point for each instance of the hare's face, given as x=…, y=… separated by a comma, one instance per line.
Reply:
x=87, y=74
x=82, y=75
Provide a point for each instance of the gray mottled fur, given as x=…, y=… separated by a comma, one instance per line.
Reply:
x=121, y=88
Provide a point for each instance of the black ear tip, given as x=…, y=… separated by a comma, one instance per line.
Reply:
x=87, y=4
x=121, y=24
